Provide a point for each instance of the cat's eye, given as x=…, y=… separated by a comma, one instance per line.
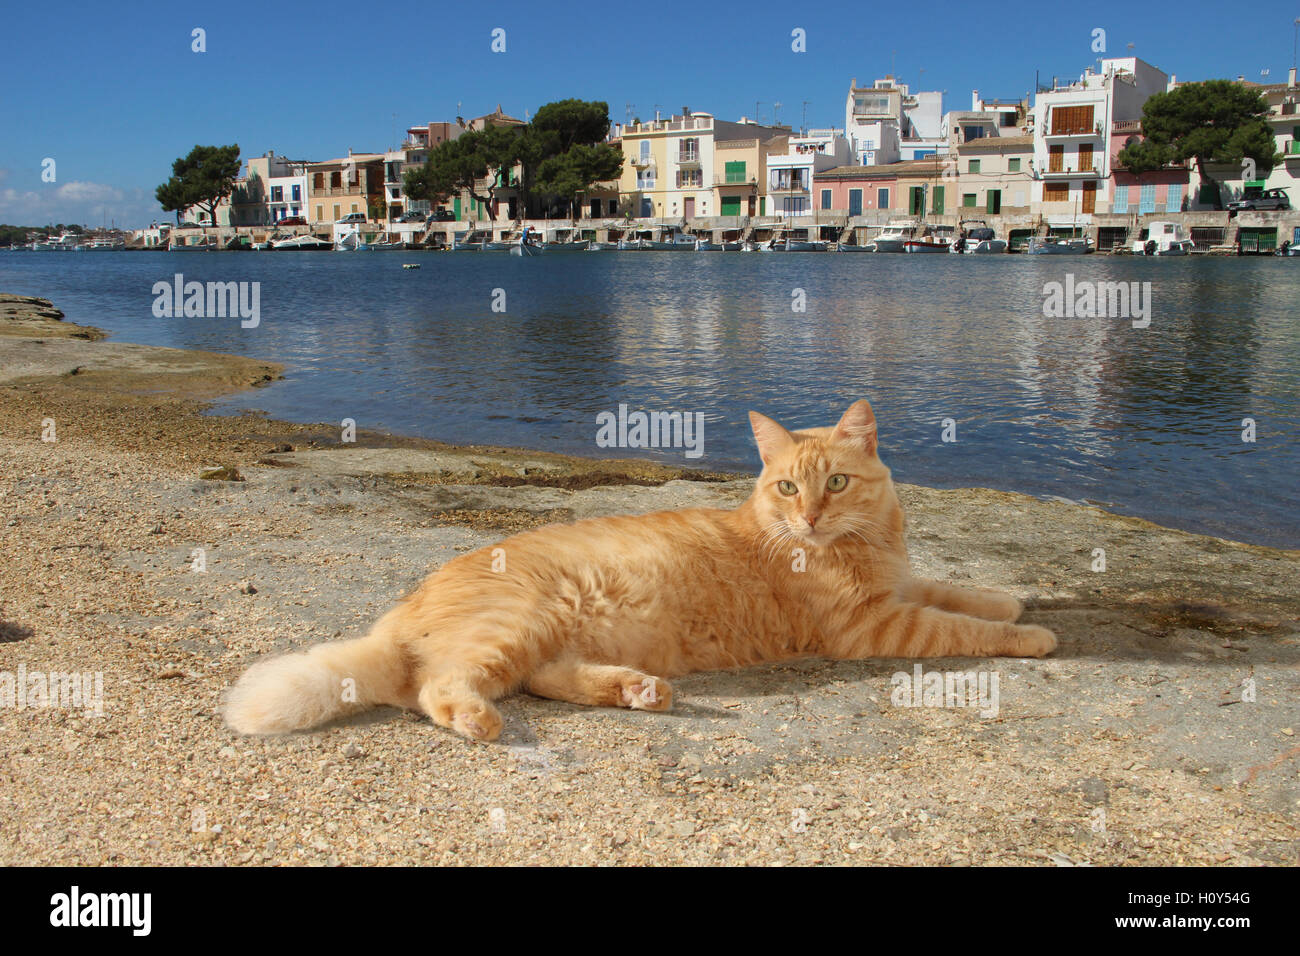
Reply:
x=786, y=487
x=837, y=482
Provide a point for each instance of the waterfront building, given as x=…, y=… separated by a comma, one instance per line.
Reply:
x=791, y=173
x=1073, y=125
x=886, y=122
x=343, y=186
x=674, y=168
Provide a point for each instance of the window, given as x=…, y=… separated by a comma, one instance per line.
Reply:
x=337, y=213
x=855, y=202
x=826, y=199
x=882, y=198
x=688, y=151
x=336, y=180
x=1147, y=199
x=1174, y=201
x=277, y=194
x=645, y=151
x=972, y=132
x=319, y=181
x=1072, y=120
x=993, y=205
x=690, y=178
x=1056, y=192
x=974, y=166
x=735, y=172
x=320, y=213
x=731, y=205
x=1120, y=202
x=296, y=192
x=1056, y=159
x=968, y=200
x=1013, y=165
x=1085, y=157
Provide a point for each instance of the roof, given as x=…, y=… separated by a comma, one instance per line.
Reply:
x=993, y=144
x=908, y=167
x=354, y=158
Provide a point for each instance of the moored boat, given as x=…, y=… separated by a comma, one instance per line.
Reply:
x=301, y=243
x=1056, y=246
x=1162, y=239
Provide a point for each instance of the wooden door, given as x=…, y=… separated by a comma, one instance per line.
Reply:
x=1090, y=197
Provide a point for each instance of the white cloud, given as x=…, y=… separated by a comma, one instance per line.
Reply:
x=88, y=203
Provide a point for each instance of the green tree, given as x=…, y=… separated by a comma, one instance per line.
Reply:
x=569, y=149
x=471, y=162
x=203, y=178
x=573, y=172
x=1218, y=121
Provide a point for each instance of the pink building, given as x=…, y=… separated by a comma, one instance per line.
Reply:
x=856, y=190
x=1159, y=191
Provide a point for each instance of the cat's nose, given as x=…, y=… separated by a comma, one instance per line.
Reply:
x=812, y=520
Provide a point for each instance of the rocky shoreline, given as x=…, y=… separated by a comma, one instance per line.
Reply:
x=1163, y=730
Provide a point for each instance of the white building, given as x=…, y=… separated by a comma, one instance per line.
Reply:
x=790, y=174
x=886, y=122
x=1072, y=128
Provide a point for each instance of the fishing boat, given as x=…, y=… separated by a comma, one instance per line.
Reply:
x=1163, y=239
x=1056, y=246
x=301, y=243
x=706, y=244
x=977, y=239
x=525, y=246
x=673, y=242
x=893, y=237
x=929, y=241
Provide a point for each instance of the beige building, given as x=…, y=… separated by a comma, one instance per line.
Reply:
x=993, y=176
x=340, y=187
x=695, y=165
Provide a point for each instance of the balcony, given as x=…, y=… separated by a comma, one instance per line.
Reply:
x=1067, y=172
x=788, y=187
x=688, y=157
x=1069, y=132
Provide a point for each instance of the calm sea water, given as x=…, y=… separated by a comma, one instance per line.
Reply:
x=1143, y=421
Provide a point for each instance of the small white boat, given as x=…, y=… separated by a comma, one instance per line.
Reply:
x=105, y=245
x=893, y=237
x=1163, y=239
x=978, y=239
x=410, y=265
x=1054, y=246
x=301, y=243
x=928, y=243
x=707, y=245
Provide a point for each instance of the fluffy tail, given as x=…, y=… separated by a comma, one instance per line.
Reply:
x=297, y=691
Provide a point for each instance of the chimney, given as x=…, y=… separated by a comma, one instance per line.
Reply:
x=1290, y=79
x=1241, y=78
x=686, y=111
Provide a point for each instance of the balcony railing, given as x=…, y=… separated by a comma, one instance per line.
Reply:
x=1074, y=130
x=1070, y=171
x=688, y=157
x=788, y=186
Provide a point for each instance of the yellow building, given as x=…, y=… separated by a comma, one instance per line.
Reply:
x=695, y=165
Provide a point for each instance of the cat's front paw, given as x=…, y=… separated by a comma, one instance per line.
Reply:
x=647, y=693
x=1032, y=641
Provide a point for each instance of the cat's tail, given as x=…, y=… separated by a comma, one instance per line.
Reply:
x=297, y=691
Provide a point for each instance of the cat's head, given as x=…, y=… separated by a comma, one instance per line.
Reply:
x=820, y=486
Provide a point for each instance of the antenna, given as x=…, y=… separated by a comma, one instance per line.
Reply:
x=803, y=127
x=757, y=104
x=656, y=108
x=775, y=106
x=630, y=107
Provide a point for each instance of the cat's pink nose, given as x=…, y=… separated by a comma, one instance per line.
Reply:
x=812, y=520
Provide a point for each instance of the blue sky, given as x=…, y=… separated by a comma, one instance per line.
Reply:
x=113, y=92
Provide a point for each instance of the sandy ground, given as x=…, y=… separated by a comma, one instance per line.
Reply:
x=1162, y=731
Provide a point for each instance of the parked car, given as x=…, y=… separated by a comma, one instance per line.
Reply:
x=442, y=215
x=411, y=217
x=1261, y=199
x=292, y=221
x=354, y=217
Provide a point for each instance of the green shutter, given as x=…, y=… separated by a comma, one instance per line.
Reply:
x=974, y=166
x=456, y=207
x=936, y=207
x=735, y=172
x=1013, y=165
x=994, y=201
x=968, y=200
x=731, y=205
x=916, y=202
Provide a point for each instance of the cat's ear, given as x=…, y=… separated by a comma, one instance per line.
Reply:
x=772, y=438
x=857, y=426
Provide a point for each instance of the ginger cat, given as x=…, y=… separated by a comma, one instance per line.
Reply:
x=601, y=611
